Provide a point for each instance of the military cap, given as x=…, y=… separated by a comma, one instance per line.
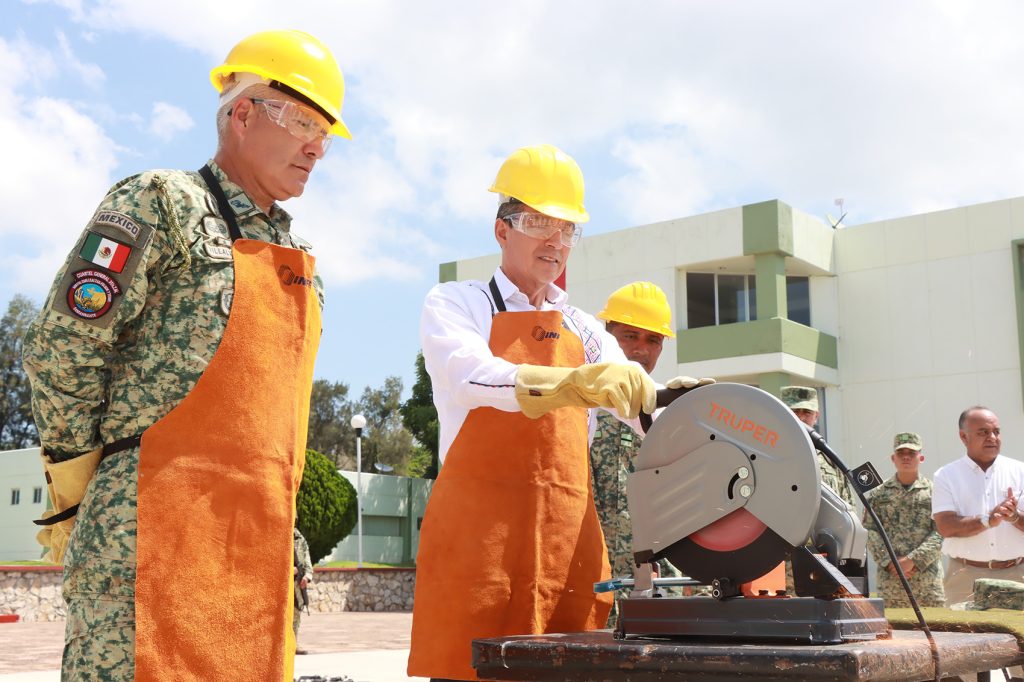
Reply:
x=800, y=397
x=908, y=440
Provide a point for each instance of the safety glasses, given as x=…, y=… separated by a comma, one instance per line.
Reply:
x=297, y=120
x=540, y=226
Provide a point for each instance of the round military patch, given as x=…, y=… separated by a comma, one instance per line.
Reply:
x=92, y=293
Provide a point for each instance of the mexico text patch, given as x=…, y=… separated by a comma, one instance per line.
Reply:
x=118, y=221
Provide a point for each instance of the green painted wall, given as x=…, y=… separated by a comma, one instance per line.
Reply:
x=773, y=335
x=767, y=228
x=773, y=382
x=770, y=277
x=1017, y=253
x=448, y=272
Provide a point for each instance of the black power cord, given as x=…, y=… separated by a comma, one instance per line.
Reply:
x=831, y=455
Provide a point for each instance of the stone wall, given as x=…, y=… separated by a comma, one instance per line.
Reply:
x=33, y=592
x=351, y=589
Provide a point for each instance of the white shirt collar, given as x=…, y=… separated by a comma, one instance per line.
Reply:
x=554, y=298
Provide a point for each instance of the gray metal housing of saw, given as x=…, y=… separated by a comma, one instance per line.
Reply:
x=728, y=446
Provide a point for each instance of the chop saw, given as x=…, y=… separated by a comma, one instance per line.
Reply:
x=726, y=486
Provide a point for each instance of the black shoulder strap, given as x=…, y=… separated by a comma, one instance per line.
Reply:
x=222, y=202
x=496, y=294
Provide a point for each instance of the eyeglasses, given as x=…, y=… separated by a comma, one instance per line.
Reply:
x=298, y=120
x=540, y=226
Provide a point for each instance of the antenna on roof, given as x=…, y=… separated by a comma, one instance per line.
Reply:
x=836, y=224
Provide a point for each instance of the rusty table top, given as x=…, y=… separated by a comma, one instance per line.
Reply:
x=597, y=656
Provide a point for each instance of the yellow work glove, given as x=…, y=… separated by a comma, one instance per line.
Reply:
x=688, y=382
x=626, y=388
x=66, y=482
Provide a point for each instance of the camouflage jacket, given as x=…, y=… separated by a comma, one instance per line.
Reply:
x=139, y=307
x=305, y=563
x=833, y=478
x=906, y=515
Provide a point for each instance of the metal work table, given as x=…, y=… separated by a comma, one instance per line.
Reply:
x=596, y=656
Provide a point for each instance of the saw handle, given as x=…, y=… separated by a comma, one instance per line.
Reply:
x=665, y=398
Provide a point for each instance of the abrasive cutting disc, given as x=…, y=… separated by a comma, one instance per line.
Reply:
x=737, y=546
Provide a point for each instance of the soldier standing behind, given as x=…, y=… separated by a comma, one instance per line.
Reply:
x=639, y=318
x=303, y=577
x=803, y=400
x=904, y=507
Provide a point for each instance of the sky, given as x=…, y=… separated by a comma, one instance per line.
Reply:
x=671, y=107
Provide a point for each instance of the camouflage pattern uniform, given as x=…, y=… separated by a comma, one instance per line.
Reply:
x=611, y=461
x=997, y=594
x=101, y=373
x=305, y=568
x=906, y=515
x=833, y=478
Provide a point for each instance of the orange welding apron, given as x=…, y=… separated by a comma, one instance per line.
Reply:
x=510, y=543
x=217, y=482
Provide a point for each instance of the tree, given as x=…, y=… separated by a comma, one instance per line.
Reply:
x=385, y=440
x=325, y=505
x=420, y=417
x=330, y=411
x=17, y=427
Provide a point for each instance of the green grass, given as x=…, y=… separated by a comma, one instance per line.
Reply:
x=366, y=564
x=945, y=620
x=27, y=563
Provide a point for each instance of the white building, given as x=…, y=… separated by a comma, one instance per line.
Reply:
x=901, y=324
x=22, y=499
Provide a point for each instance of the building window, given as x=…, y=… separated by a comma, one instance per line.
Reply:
x=724, y=299
x=798, y=300
x=15, y=496
x=37, y=495
x=719, y=299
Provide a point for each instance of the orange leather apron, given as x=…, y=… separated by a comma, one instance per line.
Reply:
x=510, y=542
x=217, y=483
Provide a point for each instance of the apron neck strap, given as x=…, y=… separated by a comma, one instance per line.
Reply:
x=499, y=302
x=222, y=202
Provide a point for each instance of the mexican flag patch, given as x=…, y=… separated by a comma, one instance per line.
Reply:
x=105, y=252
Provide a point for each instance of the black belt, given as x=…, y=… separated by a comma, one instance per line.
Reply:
x=108, y=450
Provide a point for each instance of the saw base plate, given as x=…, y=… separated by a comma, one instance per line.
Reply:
x=791, y=619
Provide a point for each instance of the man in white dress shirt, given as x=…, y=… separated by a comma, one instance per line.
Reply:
x=975, y=508
x=510, y=541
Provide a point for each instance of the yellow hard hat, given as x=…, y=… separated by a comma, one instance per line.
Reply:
x=296, y=59
x=640, y=304
x=545, y=178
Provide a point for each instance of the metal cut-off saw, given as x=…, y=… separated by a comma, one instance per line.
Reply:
x=726, y=486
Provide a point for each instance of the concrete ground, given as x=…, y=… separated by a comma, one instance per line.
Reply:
x=366, y=647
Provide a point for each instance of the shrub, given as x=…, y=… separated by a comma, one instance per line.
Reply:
x=326, y=505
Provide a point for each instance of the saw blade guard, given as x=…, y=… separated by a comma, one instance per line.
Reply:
x=714, y=451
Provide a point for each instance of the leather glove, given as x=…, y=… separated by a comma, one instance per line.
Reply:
x=626, y=388
x=66, y=482
x=688, y=382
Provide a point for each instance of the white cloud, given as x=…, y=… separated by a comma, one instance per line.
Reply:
x=899, y=108
x=66, y=163
x=169, y=120
x=90, y=74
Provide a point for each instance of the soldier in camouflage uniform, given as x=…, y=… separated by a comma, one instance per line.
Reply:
x=803, y=400
x=303, y=577
x=903, y=504
x=136, y=317
x=639, y=318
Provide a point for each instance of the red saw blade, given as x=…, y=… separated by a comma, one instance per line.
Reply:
x=738, y=546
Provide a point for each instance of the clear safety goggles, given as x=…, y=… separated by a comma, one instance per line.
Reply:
x=540, y=226
x=298, y=120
